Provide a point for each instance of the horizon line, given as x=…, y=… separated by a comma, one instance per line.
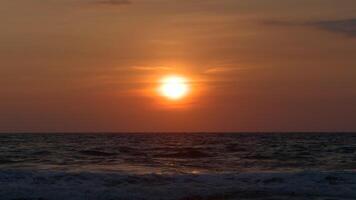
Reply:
x=171, y=132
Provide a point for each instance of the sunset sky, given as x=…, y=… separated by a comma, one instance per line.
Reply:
x=252, y=65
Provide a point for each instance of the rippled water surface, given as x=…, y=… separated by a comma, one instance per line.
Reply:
x=179, y=153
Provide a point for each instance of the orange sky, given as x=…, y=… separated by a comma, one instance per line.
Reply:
x=92, y=65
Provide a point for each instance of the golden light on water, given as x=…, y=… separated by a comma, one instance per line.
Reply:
x=174, y=87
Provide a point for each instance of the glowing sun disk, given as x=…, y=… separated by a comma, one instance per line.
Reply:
x=174, y=87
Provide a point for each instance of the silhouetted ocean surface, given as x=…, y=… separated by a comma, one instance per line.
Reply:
x=178, y=166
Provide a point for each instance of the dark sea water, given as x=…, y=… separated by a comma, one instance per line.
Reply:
x=178, y=166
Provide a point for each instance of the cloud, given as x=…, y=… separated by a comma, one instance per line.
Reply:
x=221, y=70
x=143, y=68
x=346, y=26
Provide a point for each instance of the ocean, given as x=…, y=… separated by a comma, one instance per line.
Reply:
x=178, y=166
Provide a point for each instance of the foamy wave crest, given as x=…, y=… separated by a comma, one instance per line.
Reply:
x=45, y=185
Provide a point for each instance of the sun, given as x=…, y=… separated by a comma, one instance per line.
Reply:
x=174, y=87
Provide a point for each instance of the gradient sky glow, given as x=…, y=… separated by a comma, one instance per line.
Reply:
x=257, y=65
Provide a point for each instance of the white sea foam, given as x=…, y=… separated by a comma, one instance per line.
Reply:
x=50, y=185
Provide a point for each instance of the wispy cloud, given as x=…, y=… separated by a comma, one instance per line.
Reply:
x=345, y=26
x=221, y=70
x=145, y=68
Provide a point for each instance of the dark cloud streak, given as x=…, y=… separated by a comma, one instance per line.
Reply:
x=346, y=26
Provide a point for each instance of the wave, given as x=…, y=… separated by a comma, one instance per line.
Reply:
x=56, y=185
x=8, y=161
x=96, y=153
x=185, y=153
x=40, y=153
